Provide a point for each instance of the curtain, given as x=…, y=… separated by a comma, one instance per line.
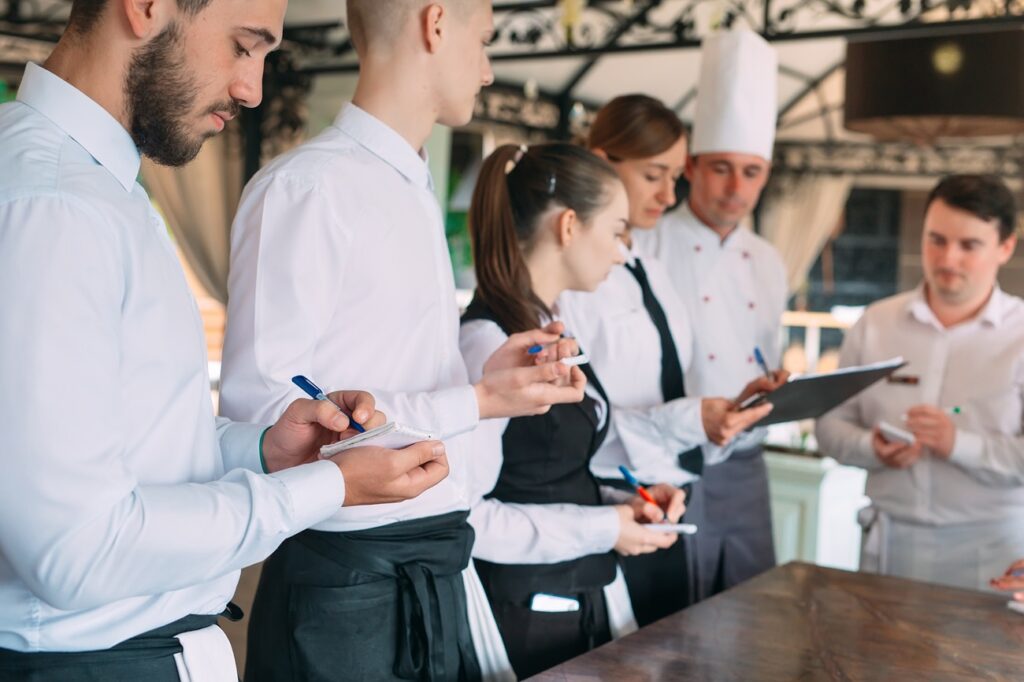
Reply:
x=799, y=216
x=199, y=202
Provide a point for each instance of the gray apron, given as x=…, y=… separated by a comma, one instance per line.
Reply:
x=732, y=510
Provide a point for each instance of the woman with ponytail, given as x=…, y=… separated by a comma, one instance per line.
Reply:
x=637, y=334
x=545, y=220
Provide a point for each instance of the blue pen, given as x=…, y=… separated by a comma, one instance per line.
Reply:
x=762, y=364
x=315, y=393
x=640, y=490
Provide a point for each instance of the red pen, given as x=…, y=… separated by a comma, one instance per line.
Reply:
x=640, y=490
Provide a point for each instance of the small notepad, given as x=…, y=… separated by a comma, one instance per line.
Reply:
x=684, y=528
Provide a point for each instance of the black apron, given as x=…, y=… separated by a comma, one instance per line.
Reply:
x=384, y=603
x=666, y=581
x=547, y=461
x=148, y=657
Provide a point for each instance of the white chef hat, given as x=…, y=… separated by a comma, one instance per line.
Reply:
x=736, y=97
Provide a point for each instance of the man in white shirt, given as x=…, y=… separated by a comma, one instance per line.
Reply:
x=339, y=268
x=734, y=286
x=948, y=506
x=126, y=510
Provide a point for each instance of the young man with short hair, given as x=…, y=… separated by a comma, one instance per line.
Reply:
x=947, y=507
x=339, y=265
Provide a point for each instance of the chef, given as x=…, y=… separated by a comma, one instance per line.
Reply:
x=734, y=288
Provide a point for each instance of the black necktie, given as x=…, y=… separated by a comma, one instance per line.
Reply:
x=672, y=384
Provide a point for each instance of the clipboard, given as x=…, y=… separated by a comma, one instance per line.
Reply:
x=812, y=395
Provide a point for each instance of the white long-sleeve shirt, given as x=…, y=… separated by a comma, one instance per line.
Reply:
x=116, y=514
x=978, y=366
x=340, y=271
x=617, y=333
x=735, y=294
x=526, y=533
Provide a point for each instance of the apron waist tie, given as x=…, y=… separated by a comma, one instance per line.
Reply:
x=157, y=643
x=421, y=637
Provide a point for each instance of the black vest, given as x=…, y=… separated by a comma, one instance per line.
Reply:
x=547, y=461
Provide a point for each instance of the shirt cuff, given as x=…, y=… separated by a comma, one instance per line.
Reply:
x=968, y=449
x=610, y=495
x=316, y=490
x=240, y=446
x=458, y=411
x=602, y=529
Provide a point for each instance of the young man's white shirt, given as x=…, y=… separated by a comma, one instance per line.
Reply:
x=340, y=271
x=978, y=366
x=124, y=505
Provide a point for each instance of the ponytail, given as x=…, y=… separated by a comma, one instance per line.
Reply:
x=515, y=187
x=503, y=280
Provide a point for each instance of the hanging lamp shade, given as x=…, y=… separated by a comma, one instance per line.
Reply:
x=923, y=88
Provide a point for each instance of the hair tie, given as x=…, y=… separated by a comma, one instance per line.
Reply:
x=514, y=161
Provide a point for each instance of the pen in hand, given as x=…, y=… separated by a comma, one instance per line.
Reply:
x=640, y=490
x=762, y=364
x=314, y=392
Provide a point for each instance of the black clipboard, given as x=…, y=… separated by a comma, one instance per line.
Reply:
x=809, y=397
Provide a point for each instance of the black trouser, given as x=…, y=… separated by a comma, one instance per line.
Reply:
x=734, y=542
x=537, y=640
x=386, y=603
x=148, y=657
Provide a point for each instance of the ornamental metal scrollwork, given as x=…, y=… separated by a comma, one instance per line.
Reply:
x=899, y=159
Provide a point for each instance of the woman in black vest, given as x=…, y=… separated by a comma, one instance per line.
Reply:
x=544, y=220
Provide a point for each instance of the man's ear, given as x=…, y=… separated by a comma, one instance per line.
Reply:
x=146, y=19
x=690, y=168
x=1006, y=249
x=433, y=24
x=566, y=227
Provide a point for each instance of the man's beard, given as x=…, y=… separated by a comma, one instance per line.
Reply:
x=160, y=96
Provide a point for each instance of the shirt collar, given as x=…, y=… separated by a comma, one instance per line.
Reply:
x=386, y=144
x=992, y=314
x=85, y=121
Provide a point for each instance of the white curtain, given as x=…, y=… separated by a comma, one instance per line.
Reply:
x=199, y=202
x=799, y=215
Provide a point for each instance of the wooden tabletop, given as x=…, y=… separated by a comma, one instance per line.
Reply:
x=804, y=622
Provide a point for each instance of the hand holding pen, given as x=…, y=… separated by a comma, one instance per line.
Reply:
x=655, y=504
x=762, y=385
x=933, y=427
x=1012, y=580
x=316, y=393
x=307, y=425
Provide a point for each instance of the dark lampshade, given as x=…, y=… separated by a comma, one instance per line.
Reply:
x=920, y=89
